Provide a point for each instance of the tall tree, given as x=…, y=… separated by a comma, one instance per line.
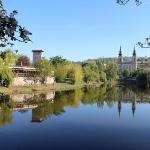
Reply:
x=10, y=57
x=60, y=67
x=6, y=74
x=44, y=69
x=102, y=67
x=75, y=73
x=112, y=71
x=91, y=72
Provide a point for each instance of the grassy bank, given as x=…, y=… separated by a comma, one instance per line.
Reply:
x=43, y=88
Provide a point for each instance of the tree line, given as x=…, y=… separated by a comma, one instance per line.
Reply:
x=63, y=70
x=77, y=73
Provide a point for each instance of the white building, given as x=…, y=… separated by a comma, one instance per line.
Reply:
x=127, y=63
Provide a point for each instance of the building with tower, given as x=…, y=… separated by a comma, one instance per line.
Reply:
x=127, y=63
x=37, y=56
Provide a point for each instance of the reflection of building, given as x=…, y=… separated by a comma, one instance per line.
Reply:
x=23, y=102
x=127, y=97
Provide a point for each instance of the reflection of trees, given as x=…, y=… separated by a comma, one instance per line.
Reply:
x=46, y=108
x=5, y=115
x=62, y=99
x=111, y=96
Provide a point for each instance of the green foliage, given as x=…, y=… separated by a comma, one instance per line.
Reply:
x=10, y=57
x=102, y=76
x=91, y=72
x=101, y=65
x=6, y=75
x=112, y=71
x=9, y=27
x=75, y=73
x=44, y=69
x=23, y=61
x=61, y=71
x=7, y=59
x=141, y=79
x=126, y=73
x=60, y=67
x=102, y=68
x=58, y=60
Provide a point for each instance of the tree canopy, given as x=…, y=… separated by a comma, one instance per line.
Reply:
x=23, y=61
x=44, y=69
x=10, y=30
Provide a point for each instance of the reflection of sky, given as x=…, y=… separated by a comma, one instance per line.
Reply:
x=86, y=127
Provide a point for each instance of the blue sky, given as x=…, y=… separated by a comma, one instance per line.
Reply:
x=82, y=29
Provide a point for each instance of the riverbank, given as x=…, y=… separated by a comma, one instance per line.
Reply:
x=44, y=88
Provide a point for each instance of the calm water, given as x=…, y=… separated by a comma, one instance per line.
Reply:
x=88, y=119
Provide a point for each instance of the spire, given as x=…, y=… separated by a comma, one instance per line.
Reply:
x=119, y=107
x=134, y=51
x=133, y=108
x=120, y=51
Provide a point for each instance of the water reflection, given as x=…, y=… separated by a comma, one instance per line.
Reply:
x=48, y=104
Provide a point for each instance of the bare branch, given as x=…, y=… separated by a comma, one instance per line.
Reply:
x=124, y=2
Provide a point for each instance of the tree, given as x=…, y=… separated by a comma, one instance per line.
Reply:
x=23, y=61
x=9, y=57
x=9, y=28
x=102, y=76
x=6, y=75
x=111, y=71
x=75, y=73
x=141, y=80
x=44, y=69
x=102, y=68
x=58, y=60
x=90, y=71
x=61, y=71
x=60, y=67
x=126, y=73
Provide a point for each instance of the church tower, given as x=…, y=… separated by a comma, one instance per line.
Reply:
x=120, y=58
x=134, y=60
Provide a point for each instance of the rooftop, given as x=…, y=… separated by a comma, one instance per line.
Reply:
x=23, y=68
x=37, y=51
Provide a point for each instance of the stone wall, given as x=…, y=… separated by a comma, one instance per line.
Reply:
x=22, y=81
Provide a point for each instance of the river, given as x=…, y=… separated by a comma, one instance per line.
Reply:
x=116, y=118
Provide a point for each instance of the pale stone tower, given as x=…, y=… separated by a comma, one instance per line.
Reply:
x=37, y=56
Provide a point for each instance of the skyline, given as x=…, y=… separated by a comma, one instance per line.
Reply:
x=74, y=28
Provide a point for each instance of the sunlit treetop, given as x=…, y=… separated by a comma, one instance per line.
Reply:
x=10, y=30
x=124, y=2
